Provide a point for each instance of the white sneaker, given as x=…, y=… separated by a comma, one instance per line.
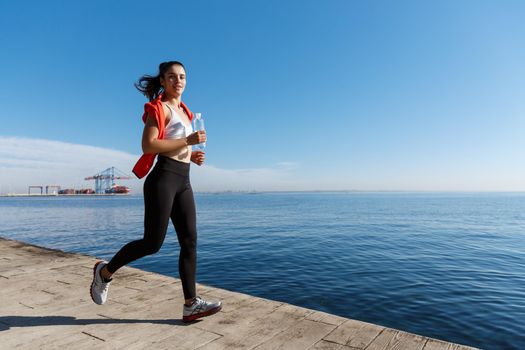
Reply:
x=99, y=288
x=200, y=308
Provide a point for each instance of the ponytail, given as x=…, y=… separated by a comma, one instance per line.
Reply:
x=150, y=85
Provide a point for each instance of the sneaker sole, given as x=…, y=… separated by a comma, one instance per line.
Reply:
x=202, y=314
x=91, y=288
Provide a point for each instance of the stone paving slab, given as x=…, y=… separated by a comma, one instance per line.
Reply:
x=45, y=304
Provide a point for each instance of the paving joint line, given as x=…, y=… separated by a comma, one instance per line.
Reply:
x=94, y=336
x=26, y=305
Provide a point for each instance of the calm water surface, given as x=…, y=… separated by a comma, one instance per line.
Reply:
x=449, y=266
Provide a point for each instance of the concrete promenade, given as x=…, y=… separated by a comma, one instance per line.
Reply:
x=45, y=304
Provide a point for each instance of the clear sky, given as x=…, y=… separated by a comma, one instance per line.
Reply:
x=296, y=95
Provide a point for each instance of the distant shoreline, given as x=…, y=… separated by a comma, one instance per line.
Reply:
x=268, y=192
x=63, y=195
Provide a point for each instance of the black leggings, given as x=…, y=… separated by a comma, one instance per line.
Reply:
x=167, y=194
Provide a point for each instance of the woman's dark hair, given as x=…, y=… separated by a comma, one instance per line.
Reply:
x=150, y=86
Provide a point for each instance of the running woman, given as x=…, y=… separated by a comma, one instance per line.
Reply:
x=167, y=190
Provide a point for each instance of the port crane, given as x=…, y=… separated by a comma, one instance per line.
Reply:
x=105, y=181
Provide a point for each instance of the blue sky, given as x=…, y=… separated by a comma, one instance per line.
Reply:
x=297, y=95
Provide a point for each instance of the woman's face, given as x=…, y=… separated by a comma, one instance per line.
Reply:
x=174, y=80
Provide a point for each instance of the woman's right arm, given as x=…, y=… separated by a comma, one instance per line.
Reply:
x=152, y=144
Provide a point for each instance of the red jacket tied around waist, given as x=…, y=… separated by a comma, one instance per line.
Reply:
x=156, y=111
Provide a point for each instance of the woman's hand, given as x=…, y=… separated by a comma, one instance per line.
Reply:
x=196, y=138
x=197, y=157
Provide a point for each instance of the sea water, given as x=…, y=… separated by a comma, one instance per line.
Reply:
x=444, y=265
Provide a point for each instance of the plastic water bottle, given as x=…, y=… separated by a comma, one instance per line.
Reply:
x=198, y=125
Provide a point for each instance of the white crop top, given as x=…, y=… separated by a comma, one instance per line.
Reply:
x=176, y=129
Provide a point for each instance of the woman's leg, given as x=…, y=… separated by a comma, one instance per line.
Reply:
x=184, y=219
x=158, y=199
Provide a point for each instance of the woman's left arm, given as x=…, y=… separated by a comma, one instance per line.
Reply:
x=197, y=157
